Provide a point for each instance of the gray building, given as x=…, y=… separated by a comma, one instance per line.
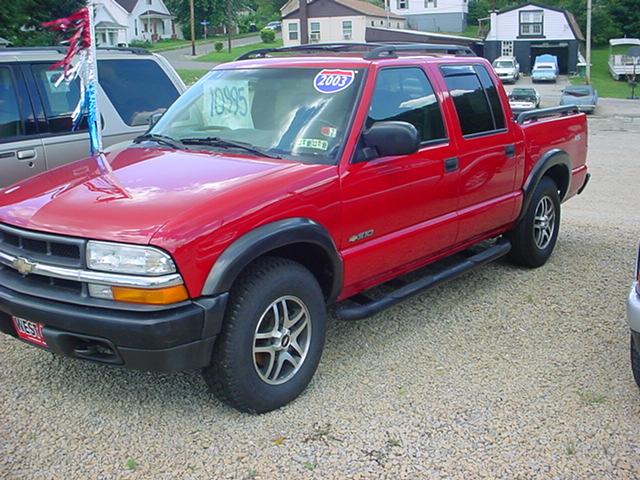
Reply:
x=529, y=30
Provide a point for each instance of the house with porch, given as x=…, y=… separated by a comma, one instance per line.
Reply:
x=118, y=22
x=533, y=29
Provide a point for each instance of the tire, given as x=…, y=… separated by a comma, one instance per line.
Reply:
x=244, y=370
x=533, y=240
x=635, y=362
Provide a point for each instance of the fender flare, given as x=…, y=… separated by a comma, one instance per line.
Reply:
x=266, y=238
x=553, y=158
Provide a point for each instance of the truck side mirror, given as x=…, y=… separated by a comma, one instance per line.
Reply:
x=385, y=139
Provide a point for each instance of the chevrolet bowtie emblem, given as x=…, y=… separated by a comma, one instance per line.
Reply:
x=23, y=265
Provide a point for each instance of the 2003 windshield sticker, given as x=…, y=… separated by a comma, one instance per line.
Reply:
x=333, y=81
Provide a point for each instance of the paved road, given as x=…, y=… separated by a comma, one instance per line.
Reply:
x=182, y=59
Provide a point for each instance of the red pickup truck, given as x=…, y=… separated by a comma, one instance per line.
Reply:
x=280, y=184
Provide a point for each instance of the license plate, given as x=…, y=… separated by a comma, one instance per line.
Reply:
x=30, y=331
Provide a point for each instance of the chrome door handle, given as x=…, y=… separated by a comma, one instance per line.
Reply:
x=25, y=154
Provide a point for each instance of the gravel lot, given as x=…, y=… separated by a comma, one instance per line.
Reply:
x=505, y=373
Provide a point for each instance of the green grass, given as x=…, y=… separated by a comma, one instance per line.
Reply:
x=164, y=45
x=601, y=79
x=225, y=56
x=471, y=31
x=189, y=77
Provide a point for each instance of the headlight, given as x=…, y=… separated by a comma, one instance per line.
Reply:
x=131, y=259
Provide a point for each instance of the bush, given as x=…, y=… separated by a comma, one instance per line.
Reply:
x=218, y=46
x=140, y=43
x=267, y=35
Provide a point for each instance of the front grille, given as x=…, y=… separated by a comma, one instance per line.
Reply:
x=44, y=248
x=40, y=247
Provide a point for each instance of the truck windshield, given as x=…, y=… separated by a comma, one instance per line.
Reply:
x=300, y=114
x=503, y=64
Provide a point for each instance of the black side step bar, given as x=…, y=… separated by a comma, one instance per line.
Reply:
x=358, y=312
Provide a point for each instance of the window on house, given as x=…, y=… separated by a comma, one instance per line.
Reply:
x=531, y=23
x=430, y=3
x=293, y=31
x=314, y=31
x=398, y=24
x=405, y=94
x=373, y=24
x=381, y=22
x=135, y=26
x=347, y=29
x=149, y=2
x=402, y=4
x=475, y=98
x=507, y=48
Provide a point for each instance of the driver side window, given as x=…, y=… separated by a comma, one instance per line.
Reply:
x=405, y=94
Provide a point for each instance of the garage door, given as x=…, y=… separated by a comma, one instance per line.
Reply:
x=562, y=53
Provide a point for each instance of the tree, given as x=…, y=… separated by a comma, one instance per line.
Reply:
x=20, y=20
x=626, y=15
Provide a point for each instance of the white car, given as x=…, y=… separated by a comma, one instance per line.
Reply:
x=507, y=69
x=522, y=99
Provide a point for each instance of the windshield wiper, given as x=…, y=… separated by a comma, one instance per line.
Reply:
x=223, y=143
x=162, y=139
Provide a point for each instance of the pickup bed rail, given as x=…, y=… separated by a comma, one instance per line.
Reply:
x=547, y=112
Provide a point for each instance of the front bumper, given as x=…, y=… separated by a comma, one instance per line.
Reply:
x=168, y=340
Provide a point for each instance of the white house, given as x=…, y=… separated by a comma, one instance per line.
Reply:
x=433, y=15
x=118, y=22
x=335, y=20
x=526, y=31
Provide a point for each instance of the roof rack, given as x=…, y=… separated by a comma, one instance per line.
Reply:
x=63, y=49
x=369, y=50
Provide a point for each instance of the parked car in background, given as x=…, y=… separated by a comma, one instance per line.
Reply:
x=633, y=317
x=545, y=69
x=275, y=26
x=522, y=99
x=35, y=114
x=507, y=69
x=585, y=97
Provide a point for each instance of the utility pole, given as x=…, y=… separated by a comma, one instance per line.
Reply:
x=193, y=28
x=229, y=22
x=588, y=69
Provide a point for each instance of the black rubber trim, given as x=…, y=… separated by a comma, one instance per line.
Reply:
x=357, y=312
x=636, y=340
x=549, y=160
x=584, y=185
x=141, y=330
x=267, y=238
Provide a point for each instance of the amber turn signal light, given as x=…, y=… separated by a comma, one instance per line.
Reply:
x=157, y=296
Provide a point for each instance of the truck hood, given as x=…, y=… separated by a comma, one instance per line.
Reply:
x=128, y=195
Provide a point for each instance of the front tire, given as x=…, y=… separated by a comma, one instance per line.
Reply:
x=534, y=238
x=272, y=337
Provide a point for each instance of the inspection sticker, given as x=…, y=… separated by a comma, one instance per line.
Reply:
x=333, y=81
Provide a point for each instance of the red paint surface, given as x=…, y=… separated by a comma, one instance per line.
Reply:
x=195, y=204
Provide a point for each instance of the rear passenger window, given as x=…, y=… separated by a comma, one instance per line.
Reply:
x=59, y=102
x=405, y=94
x=137, y=88
x=475, y=98
x=10, y=121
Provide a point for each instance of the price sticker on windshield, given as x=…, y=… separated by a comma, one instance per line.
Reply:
x=333, y=81
x=228, y=103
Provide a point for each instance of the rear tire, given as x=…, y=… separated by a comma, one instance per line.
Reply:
x=272, y=337
x=635, y=362
x=534, y=238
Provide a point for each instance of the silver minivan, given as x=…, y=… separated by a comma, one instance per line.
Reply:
x=35, y=115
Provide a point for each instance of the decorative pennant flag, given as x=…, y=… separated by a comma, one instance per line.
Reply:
x=82, y=48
